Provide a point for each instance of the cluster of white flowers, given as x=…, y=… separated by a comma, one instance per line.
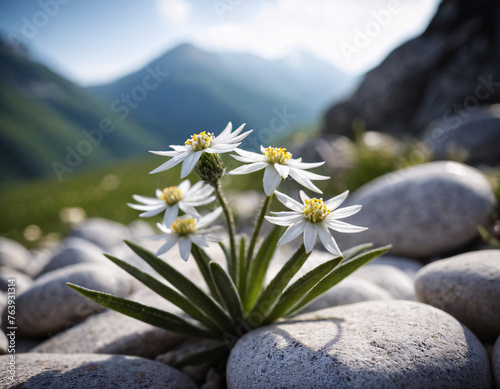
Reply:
x=313, y=217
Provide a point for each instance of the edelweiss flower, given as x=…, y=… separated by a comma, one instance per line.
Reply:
x=172, y=198
x=187, y=230
x=278, y=164
x=314, y=217
x=194, y=147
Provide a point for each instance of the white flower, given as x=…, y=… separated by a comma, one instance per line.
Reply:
x=194, y=147
x=187, y=230
x=314, y=218
x=278, y=164
x=173, y=198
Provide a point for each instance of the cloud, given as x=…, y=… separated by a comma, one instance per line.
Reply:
x=175, y=11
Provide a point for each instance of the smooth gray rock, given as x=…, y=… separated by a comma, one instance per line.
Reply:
x=348, y=291
x=21, y=280
x=495, y=362
x=4, y=343
x=374, y=344
x=423, y=210
x=73, y=251
x=139, y=229
x=111, y=332
x=408, y=266
x=66, y=371
x=466, y=286
x=50, y=305
x=102, y=232
x=13, y=255
x=393, y=280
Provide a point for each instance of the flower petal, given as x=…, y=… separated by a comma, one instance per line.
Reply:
x=344, y=212
x=272, y=180
x=251, y=156
x=184, y=247
x=190, y=162
x=184, y=186
x=144, y=207
x=343, y=227
x=304, y=181
x=336, y=201
x=308, y=175
x=209, y=219
x=292, y=232
x=246, y=169
x=153, y=212
x=170, y=215
x=327, y=240
x=170, y=163
x=147, y=200
x=289, y=202
x=283, y=221
x=171, y=241
x=303, y=196
x=310, y=235
x=282, y=170
x=188, y=209
x=297, y=163
x=198, y=240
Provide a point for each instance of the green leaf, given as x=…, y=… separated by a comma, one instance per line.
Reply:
x=225, y=251
x=295, y=292
x=275, y=288
x=242, y=267
x=166, y=292
x=259, y=266
x=227, y=290
x=202, y=260
x=338, y=274
x=212, y=355
x=144, y=313
x=186, y=287
x=353, y=251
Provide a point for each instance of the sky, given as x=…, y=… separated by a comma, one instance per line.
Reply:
x=96, y=41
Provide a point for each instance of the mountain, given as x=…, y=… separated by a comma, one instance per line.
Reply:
x=50, y=127
x=188, y=90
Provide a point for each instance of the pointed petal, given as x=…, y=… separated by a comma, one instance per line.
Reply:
x=158, y=193
x=198, y=240
x=327, y=240
x=188, y=209
x=170, y=215
x=289, y=202
x=226, y=132
x=184, y=247
x=282, y=170
x=304, y=182
x=310, y=235
x=303, y=196
x=345, y=212
x=153, y=212
x=308, y=175
x=297, y=163
x=336, y=201
x=222, y=148
x=292, y=232
x=190, y=162
x=170, y=163
x=144, y=207
x=171, y=241
x=170, y=153
x=209, y=219
x=281, y=221
x=184, y=186
x=272, y=180
x=253, y=157
x=246, y=169
x=343, y=227
x=147, y=200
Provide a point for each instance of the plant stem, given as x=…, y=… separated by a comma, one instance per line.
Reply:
x=233, y=263
x=258, y=225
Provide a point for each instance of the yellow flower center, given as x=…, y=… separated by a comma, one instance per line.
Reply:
x=171, y=195
x=184, y=227
x=277, y=155
x=200, y=141
x=315, y=210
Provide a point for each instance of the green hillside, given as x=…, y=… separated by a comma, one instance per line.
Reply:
x=44, y=117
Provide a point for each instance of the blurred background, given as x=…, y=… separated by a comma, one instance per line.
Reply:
x=88, y=87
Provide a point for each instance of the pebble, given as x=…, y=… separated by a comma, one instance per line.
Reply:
x=393, y=280
x=13, y=255
x=423, y=210
x=111, y=332
x=22, y=281
x=408, y=266
x=4, y=343
x=374, y=344
x=467, y=286
x=76, y=371
x=50, y=306
x=102, y=232
x=73, y=251
x=495, y=362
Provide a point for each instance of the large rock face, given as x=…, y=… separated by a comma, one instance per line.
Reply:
x=447, y=72
x=373, y=344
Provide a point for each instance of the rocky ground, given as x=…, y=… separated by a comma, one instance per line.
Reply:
x=427, y=315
